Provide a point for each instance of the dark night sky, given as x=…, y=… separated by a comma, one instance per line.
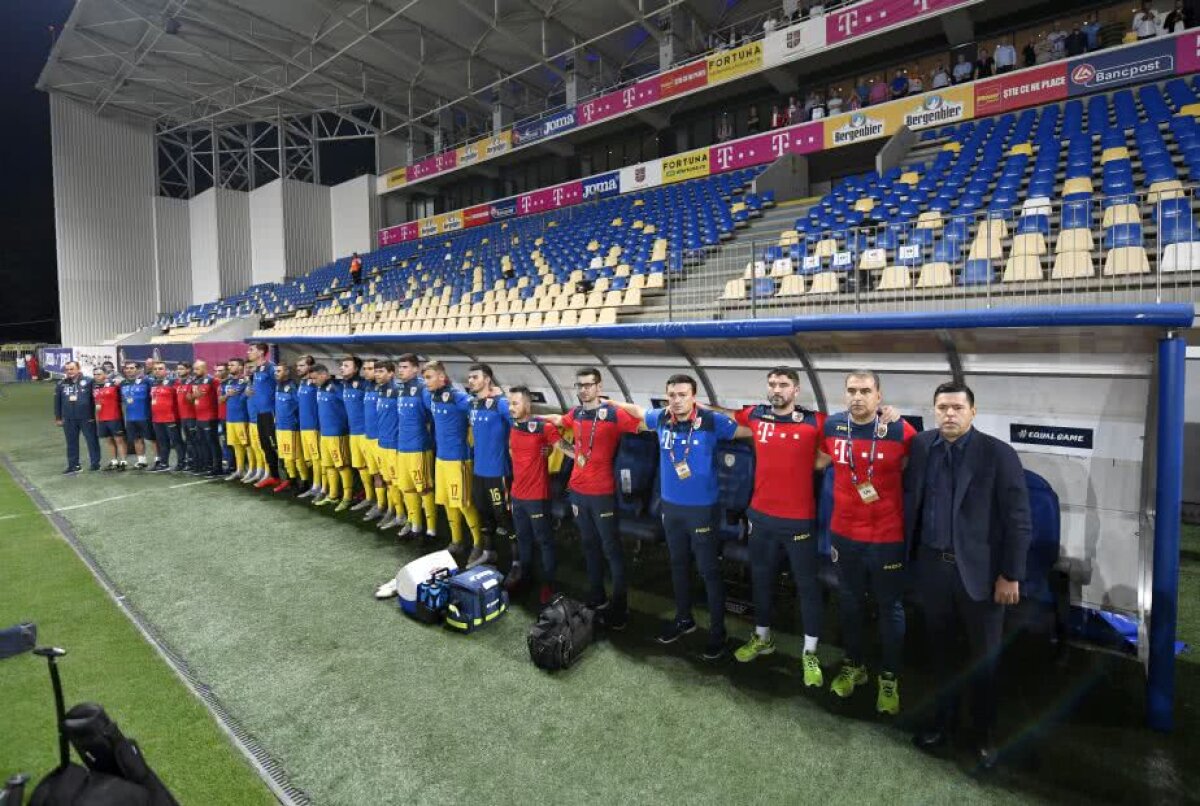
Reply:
x=28, y=288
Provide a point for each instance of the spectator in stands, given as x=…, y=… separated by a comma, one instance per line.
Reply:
x=724, y=128
x=863, y=90
x=835, y=102
x=356, y=269
x=916, y=84
x=879, y=91
x=819, y=111
x=962, y=69
x=1043, y=49
x=855, y=102
x=984, y=66
x=752, y=124
x=1145, y=23
x=769, y=24
x=797, y=14
x=1178, y=20
x=967, y=517
x=1091, y=32
x=778, y=117
x=1076, y=43
x=1028, y=55
x=816, y=9
x=940, y=78
x=1005, y=58
x=1058, y=41
x=810, y=103
x=899, y=86
x=794, y=111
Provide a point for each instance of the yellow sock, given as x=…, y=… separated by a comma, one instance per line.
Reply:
x=471, y=515
x=368, y=489
x=429, y=504
x=289, y=467
x=301, y=469
x=412, y=503
x=395, y=500
x=347, y=476
x=331, y=482
x=239, y=457
x=455, y=525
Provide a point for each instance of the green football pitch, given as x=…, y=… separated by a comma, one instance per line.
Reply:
x=269, y=604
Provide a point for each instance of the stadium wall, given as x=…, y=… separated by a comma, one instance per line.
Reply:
x=268, y=256
x=104, y=178
x=202, y=230
x=354, y=216
x=220, y=239
x=172, y=253
x=307, y=227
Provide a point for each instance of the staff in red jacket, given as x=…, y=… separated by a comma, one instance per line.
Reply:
x=109, y=423
x=164, y=415
x=208, y=439
x=187, y=413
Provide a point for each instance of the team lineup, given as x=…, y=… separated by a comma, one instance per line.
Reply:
x=396, y=440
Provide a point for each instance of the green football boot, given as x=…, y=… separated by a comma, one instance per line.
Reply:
x=848, y=678
x=888, y=701
x=754, y=647
x=813, y=676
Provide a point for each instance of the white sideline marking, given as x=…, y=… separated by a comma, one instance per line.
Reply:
x=118, y=497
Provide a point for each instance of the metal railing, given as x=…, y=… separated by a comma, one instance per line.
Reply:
x=1019, y=260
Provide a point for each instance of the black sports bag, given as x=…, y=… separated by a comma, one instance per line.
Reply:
x=564, y=629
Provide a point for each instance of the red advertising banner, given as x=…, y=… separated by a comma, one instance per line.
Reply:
x=875, y=15
x=1187, y=53
x=447, y=160
x=1037, y=85
x=539, y=201
x=398, y=234
x=477, y=216
x=611, y=104
x=683, y=79
x=801, y=139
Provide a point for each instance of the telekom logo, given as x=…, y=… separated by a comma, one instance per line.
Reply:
x=724, y=156
x=525, y=203
x=779, y=143
x=627, y=97
x=765, y=431
x=558, y=196
x=847, y=22
x=587, y=111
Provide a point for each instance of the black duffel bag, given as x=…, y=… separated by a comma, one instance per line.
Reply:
x=563, y=631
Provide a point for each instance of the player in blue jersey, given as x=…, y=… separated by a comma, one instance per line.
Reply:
x=451, y=410
x=287, y=426
x=135, y=397
x=310, y=428
x=687, y=441
x=370, y=402
x=335, y=439
x=353, y=389
x=262, y=411
x=385, y=424
x=492, y=466
x=413, y=476
x=237, y=417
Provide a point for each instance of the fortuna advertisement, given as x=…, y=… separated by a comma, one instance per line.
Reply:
x=688, y=165
x=730, y=64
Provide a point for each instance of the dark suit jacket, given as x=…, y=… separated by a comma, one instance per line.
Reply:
x=991, y=510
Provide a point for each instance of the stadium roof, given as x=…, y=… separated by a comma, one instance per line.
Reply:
x=188, y=63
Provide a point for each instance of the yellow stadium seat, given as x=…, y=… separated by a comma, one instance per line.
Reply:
x=1160, y=191
x=1114, y=153
x=490, y=322
x=1121, y=214
x=1074, y=240
x=985, y=247
x=792, y=286
x=1190, y=109
x=1079, y=184
x=894, y=278
x=1029, y=243
x=1022, y=269
x=1126, y=260
x=654, y=280
x=633, y=298
x=826, y=248
x=864, y=205
x=551, y=319
x=561, y=302
x=873, y=259
x=935, y=275
x=595, y=299
x=1021, y=148
x=781, y=267
x=587, y=317
x=569, y=319
x=613, y=298
x=1072, y=266
x=930, y=219
x=533, y=321
x=519, y=322
x=577, y=301
x=909, y=178
x=1180, y=257
x=734, y=289
x=952, y=146
x=825, y=282
x=754, y=269
x=608, y=316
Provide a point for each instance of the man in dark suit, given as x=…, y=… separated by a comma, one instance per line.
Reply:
x=966, y=512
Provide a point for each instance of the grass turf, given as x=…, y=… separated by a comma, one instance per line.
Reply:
x=43, y=581
x=269, y=601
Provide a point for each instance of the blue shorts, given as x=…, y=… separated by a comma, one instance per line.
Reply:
x=138, y=429
x=110, y=428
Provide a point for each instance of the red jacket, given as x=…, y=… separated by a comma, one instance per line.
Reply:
x=162, y=403
x=206, y=401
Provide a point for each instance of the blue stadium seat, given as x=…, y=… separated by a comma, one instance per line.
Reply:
x=636, y=474
x=977, y=272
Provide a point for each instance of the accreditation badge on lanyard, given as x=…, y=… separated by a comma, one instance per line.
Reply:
x=866, y=488
x=681, y=465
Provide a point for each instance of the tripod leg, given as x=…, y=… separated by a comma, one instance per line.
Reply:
x=52, y=654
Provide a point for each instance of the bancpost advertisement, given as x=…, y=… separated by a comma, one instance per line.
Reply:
x=946, y=105
x=735, y=63
x=1105, y=70
x=688, y=165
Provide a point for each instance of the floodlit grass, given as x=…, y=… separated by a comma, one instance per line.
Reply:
x=269, y=602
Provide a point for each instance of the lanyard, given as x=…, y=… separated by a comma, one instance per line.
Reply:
x=591, y=434
x=687, y=442
x=850, y=449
